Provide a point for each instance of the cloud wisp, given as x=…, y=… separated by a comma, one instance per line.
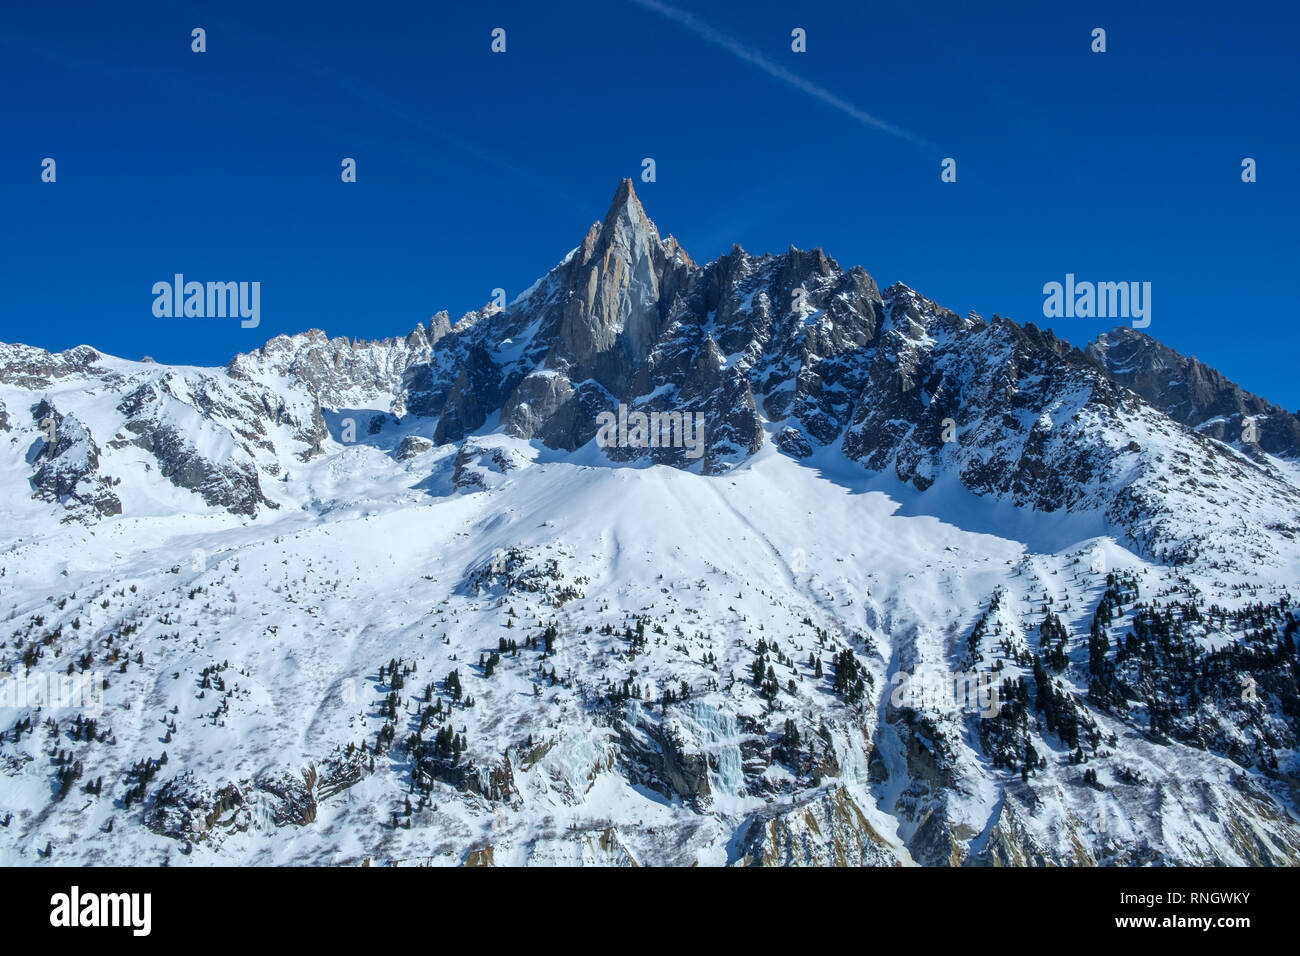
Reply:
x=756, y=58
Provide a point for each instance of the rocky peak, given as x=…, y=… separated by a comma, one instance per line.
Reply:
x=620, y=285
x=1192, y=393
x=30, y=367
x=439, y=326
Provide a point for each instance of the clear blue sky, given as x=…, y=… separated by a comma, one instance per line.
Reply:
x=478, y=170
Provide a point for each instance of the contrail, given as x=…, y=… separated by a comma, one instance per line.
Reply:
x=755, y=58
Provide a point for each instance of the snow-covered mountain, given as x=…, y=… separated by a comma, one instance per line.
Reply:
x=1194, y=394
x=400, y=601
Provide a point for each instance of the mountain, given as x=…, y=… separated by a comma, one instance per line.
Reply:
x=1194, y=394
x=749, y=562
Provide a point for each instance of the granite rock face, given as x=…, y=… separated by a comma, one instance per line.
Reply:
x=1192, y=393
x=67, y=468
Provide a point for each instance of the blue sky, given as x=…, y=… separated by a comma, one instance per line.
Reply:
x=479, y=170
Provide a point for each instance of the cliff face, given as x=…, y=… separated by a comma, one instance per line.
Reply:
x=1194, y=394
